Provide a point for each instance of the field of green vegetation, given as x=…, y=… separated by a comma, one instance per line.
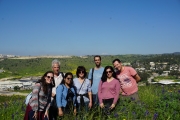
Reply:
x=158, y=78
x=157, y=103
x=18, y=68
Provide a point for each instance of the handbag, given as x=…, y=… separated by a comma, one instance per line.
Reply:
x=28, y=97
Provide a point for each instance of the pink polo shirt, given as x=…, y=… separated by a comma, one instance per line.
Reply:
x=128, y=83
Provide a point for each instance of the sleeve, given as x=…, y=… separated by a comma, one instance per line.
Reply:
x=90, y=74
x=59, y=96
x=89, y=86
x=132, y=71
x=100, y=92
x=35, y=96
x=117, y=91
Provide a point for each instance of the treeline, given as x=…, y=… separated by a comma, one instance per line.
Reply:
x=35, y=67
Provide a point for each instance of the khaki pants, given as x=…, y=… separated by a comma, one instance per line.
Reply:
x=133, y=97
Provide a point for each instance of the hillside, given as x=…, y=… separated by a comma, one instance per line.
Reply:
x=37, y=66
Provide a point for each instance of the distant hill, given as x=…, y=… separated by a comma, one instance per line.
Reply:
x=174, y=53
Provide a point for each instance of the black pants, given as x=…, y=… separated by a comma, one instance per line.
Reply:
x=53, y=113
x=107, y=104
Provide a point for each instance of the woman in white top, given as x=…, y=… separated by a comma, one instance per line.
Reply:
x=83, y=88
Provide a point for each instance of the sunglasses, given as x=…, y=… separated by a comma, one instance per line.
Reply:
x=108, y=72
x=50, y=77
x=81, y=72
x=69, y=78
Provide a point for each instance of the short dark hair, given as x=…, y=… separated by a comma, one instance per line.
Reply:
x=97, y=56
x=118, y=60
x=79, y=69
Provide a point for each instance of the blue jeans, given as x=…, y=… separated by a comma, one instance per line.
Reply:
x=95, y=99
x=85, y=107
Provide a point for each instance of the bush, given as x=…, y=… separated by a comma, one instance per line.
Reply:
x=16, y=88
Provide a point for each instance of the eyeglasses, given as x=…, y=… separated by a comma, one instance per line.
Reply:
x=50, y=77
x=108, y=72
x=69, y=78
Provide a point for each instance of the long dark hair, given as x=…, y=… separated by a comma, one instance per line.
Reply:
x=104, y=75
x=44, y=84
x=63, y=81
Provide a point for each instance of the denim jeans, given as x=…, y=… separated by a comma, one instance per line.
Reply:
x=95, y=100
x=85, y=107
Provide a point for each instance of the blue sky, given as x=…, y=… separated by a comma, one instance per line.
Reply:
x=89, y=27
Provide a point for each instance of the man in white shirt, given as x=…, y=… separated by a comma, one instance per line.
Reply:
x=58, y=77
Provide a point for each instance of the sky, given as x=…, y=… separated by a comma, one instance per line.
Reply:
x=89, y=27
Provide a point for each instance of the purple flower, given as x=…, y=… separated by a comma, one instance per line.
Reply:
x=163, y=91
x=5, y=105
x=12, y=116
x=167, y=105
x=155, y=116
x=133, y=99
x=116, y=115
x=146, y=113
x=178, y=91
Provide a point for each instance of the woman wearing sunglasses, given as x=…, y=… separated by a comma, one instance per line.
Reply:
x=83, y=89
x=108, y=90
x=37, y=108
x=66, y=96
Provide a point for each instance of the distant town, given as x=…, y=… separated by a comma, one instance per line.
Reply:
x=32, y=57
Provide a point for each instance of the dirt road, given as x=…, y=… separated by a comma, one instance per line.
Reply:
x=9, y=93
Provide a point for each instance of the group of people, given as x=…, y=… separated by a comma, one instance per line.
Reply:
x=57, y=94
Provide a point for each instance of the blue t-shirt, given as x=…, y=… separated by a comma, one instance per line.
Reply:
x=97, y=74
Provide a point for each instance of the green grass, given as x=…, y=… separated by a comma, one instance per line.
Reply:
x=157, y=102
x=22, y=91
x=166, y=78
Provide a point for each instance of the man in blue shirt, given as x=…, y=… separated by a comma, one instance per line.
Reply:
x=94, y=76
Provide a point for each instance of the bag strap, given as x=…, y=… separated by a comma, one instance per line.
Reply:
x=81, y=85
x=92, y=76
x=62, y=74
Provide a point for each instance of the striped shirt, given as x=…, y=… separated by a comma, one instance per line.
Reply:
x=40, y=101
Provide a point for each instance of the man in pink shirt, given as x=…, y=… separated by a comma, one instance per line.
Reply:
x=128, y=78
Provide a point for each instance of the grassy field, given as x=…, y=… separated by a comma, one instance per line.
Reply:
x=157, y=102
x=158, y=78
